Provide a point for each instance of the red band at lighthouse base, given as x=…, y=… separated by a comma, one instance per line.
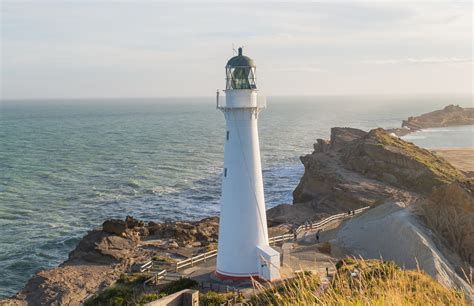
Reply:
x=237, y=277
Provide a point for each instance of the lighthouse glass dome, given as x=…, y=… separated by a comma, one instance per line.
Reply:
x=240, y=72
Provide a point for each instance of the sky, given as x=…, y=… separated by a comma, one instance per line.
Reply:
x=105, y=49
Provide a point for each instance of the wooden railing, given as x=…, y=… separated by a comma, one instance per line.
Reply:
x=196, y=259
x=146, y=266
x=285, y=237
x=313, y=226
x=156, y=278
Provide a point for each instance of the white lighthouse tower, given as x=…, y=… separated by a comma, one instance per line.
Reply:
x=243, y=249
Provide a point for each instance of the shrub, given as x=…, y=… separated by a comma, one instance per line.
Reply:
x=178, y=285
x=114, y=296
x=150, y=297
x=163, y=259
x=212, y=298
x=134, y=278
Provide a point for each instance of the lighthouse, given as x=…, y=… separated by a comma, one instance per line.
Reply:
x=243, y=249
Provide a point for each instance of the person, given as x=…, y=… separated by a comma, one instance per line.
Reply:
x=317, y=235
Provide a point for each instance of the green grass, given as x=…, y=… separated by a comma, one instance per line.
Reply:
x=134, y=278
x=212, y=298
x=114, y=296
x=163, y=259
x=178, y=285
x=149, y=297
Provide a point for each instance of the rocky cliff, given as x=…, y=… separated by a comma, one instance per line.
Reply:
x=357, y=168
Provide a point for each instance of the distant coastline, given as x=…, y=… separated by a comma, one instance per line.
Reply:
x=451, y=115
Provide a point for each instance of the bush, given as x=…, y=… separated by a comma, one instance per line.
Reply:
x=114, y=296
x=212, y=298
x=163, y=259
x=134, y=278
x=150, y=297
x=178, y=285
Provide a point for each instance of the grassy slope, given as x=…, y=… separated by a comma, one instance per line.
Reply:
x=415, y=168
x=376, y=283
x=437, y=165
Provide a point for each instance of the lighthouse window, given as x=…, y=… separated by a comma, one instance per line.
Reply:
x=225, y=172
x=241, y=77
x=227, y=136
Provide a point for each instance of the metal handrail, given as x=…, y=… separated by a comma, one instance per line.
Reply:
x=261, y=103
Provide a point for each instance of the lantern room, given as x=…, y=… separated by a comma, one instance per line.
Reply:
x=240, y=72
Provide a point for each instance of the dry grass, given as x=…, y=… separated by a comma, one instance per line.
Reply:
x=449, y=211
x=363, y=282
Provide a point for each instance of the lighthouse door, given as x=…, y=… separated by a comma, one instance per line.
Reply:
x=268, y=263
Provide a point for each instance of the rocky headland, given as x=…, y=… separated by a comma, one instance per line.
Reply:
x=451, y=115
x=356, y=168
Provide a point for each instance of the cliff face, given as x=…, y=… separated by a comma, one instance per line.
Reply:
x=449, y=116
x=329, y=185
x=356, y=168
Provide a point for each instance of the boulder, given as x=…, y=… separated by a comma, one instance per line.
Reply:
x=132, y=222
x=114, y=226
x=340, y=137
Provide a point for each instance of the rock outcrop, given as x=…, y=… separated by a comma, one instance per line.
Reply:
x=185, y=233
x=104, y=254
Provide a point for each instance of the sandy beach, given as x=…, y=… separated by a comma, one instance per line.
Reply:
x=461, y=158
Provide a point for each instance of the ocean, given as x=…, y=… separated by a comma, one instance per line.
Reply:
x=67, y=165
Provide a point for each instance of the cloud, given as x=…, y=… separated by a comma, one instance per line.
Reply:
x=429, y=60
